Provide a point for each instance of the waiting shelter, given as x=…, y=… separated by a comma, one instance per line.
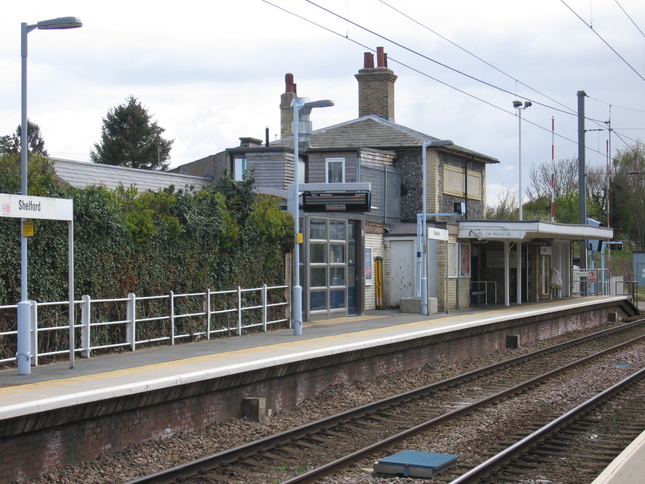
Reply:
x=529, y=261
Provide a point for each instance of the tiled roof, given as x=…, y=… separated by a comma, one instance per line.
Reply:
x=374, y=132
x=81, y=174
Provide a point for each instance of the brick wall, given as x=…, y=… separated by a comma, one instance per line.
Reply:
x=376, y=92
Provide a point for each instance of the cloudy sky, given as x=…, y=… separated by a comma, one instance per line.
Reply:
x=210, y=72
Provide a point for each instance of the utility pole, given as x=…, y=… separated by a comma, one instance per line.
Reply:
x=582, y=186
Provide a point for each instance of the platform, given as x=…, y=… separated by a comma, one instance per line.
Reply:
x=628, y=467
x=57, y=385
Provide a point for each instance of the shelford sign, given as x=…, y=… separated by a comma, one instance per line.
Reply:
x=437, y=234
x=22, y=206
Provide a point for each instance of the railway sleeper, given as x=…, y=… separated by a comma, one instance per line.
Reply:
x=276, y=457
x=335, y=434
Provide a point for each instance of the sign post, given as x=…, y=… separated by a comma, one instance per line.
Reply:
x=44, y=208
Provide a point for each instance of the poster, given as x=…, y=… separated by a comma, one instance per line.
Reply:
x=464, y=260
x=368, y=267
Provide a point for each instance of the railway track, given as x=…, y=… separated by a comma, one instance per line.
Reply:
x=585, y=439
x=309, y=452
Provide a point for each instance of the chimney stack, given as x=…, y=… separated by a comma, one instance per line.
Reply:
x=286, y=111
x=376, y=86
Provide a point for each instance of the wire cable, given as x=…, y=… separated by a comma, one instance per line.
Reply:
x=407, y=66
x=631, y=19
x=601, y=38
x=474, y=55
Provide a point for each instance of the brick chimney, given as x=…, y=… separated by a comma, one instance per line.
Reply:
x=376, y=86
x=286, y=111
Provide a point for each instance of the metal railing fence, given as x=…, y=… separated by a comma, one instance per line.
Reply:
x=135, y=321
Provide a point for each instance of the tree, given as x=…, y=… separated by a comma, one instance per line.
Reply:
x=566, y=179
x=129, y=137
x=628, y=195
x=11, y=143
x=505, y=208
x=565, y=192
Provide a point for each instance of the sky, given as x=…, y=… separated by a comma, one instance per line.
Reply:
x=210, y=72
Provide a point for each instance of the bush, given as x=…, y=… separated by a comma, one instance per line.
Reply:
x=149, y=243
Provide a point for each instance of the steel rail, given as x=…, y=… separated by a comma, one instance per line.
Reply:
x=488, y=467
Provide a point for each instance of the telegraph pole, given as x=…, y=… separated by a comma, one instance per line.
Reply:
x=582, y=187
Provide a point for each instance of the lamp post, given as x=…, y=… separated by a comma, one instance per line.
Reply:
x=301, y=107
x=519, y=106
x=23, y=355
x=424, y=228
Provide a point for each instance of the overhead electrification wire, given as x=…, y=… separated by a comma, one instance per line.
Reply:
x=473, y=55
x=398, y=44
x=613, y=105
x=632, y=20
x=457, y=71
x=407, y=66
x=389, y=57
x=601, y=38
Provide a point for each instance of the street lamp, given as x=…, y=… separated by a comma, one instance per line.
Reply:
x=301, y=107
x=424, y=228
x=518, y=105
x=23, y=355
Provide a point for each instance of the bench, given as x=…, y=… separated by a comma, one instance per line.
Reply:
x=477, y=290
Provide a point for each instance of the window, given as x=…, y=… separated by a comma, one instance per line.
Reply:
x=239, y=168
x=335, y=172
x=302, y=170
x=328, y=267
x=454, y=180
x=318, y=230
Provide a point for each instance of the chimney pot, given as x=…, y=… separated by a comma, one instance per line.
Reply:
x=380, y=56
x=368, y=60
x=288, y=79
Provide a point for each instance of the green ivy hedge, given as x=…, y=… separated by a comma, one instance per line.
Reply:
x=150, y=243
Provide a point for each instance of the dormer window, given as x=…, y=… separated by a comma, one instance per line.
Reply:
x=335, y=170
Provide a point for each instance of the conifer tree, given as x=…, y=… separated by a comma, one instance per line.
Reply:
x=129, y=137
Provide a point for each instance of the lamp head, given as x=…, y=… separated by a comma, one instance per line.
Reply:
x=60, y=23
x=323, y=103
x=517, y=104
x=527, y=104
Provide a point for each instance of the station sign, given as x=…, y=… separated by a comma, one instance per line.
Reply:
x=499, y=234
x=437, y=234
x=45, y=208
x=336, y=201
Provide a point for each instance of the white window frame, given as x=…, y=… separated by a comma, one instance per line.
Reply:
x=328, y=162
x=239, y=168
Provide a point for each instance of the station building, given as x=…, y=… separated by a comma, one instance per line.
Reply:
x=355, y=261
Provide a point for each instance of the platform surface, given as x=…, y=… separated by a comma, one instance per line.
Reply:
x=628, y=467
x=57, y=385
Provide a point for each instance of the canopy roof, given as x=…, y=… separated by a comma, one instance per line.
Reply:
x=523, y=230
